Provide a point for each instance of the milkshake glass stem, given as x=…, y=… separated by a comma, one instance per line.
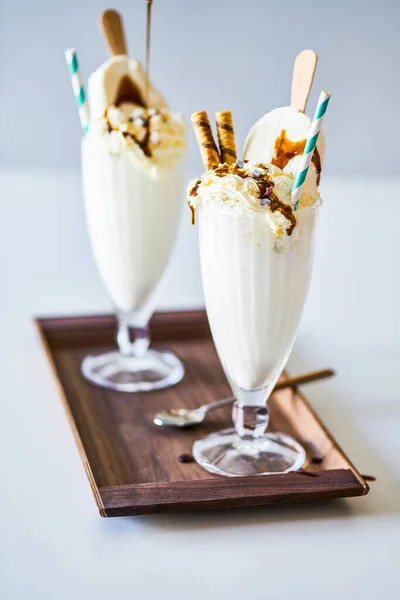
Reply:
x=250, y=414
x=248, y=449
x=134, y=367
x=133, y=336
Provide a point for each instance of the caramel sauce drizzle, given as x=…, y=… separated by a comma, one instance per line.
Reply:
x=193, y=213
x=277, y=205
x=233, y=169
x=316, y=159
x=128, y=91
x=193, y=192
x=285, y=150
x=265, y=186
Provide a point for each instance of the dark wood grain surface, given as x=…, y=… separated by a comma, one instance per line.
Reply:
x=133, y=465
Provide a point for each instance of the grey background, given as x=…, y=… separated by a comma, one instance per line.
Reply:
x=217, y=55
x=208, y=54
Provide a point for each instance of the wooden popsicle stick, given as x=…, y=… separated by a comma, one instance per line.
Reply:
x=303, y=75
x=113, y=29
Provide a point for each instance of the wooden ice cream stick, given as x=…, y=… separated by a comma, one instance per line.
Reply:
x=113, y=29
x=303, y=75
x=205, y=139
x=226, y=136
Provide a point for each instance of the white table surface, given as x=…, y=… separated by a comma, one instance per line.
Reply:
x=53, y=544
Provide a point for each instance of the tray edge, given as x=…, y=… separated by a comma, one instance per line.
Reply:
x=227, y=493
x=329, y=435
x=81, y=449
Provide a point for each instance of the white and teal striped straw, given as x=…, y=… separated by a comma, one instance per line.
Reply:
x=309, y=147
x=77, y=86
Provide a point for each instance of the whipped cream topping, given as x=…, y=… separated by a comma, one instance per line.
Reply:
x=157, y=137
x=284, y=180
x=309, y=193
x=250, y=186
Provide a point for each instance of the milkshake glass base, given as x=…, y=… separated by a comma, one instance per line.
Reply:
x=153, y=371
x=225, y=453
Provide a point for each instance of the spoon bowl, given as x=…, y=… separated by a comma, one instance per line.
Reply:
x=179, y=417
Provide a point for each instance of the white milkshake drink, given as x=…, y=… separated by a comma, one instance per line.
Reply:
x=256, y=267
x=133, y=171
x=133, y=203
x=256, y=256
x=247, y=274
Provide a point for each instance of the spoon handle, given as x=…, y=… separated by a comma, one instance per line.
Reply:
x=217, y=404
x=290, y=382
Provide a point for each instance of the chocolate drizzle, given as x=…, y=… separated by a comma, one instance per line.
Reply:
x=143, y=144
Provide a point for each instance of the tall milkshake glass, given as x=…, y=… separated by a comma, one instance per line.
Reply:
x=133, y=170
x=255, y=289
x=257, y=226
x=133, y=208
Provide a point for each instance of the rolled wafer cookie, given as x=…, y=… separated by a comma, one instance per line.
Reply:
x=226, y=136
x=205, y=139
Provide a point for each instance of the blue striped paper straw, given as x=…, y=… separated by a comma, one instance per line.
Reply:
x=309, y=147
x=77, y=86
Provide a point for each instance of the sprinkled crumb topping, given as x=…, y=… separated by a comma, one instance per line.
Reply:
x=149, y=129
x=257, y=173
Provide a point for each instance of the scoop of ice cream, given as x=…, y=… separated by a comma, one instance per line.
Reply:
x=120, y=80
x=284, y=180
x=255, y=187
x=277, y=136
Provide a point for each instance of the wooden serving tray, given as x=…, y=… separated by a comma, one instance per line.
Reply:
x=133, y=466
